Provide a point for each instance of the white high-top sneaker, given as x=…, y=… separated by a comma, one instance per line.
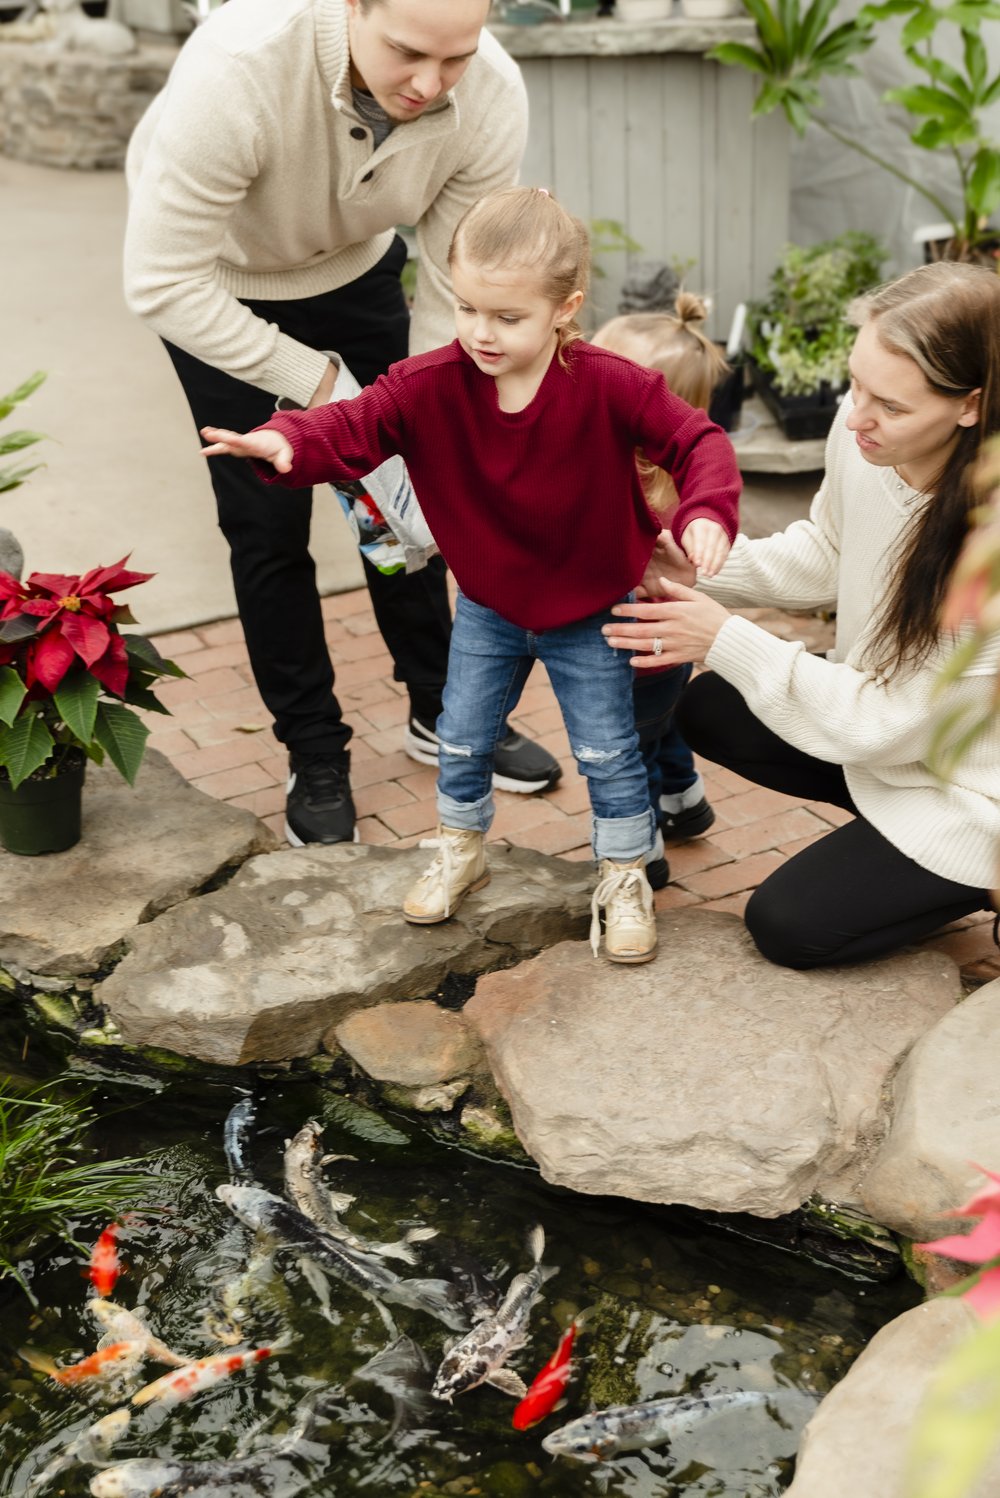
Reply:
x=623, y=892
x=457, y=868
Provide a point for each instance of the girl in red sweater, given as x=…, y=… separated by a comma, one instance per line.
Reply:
x=520, y=440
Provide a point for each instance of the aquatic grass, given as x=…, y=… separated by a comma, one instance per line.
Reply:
x=49, y=1179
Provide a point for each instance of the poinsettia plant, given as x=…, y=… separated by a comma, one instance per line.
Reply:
x=69, y=679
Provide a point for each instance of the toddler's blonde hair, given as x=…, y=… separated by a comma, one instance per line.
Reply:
x=691, y=364
x=524, y=228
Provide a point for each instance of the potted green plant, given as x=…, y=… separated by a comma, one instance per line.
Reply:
x=799, y=341
x=795, y=51
x=69, y=681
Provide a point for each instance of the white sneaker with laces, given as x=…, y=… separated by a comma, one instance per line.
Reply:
x=457, y=868
x=624, y=894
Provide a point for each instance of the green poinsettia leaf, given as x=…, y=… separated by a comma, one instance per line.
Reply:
x=121, y=614
x=12, y=694
x=76, y=700
x=139, y=693
x=140, y=649
x=122, y=736
x=13, y=631
x=24, y=747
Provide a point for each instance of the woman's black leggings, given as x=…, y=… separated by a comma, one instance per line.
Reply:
x=851, y=896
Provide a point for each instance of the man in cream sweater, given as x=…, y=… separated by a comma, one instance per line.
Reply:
x=266, y=182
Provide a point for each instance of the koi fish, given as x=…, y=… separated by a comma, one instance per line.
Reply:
x=271, y=1214
x=236, y=1138
x=164, y=1477
x=121, y=1325
x=115, y=1358
x=91, y=1446
x=548, y=1386
x=105, y=1264
x=479, y=1357
x=629, y=1427
x=200, y=1374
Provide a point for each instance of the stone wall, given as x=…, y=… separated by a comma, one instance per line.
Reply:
x=75, y=109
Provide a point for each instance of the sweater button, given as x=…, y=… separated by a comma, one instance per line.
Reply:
x=357, y=133
x=367, y=176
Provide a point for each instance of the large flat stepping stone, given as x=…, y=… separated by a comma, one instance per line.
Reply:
x=142, y=851
x=859, y=1439
x=708, y=1077
x=946, y=1117
x=265, y=968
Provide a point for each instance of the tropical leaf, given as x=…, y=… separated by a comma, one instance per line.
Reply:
x=24, y=747
x=983, y=189
x=13, y=442
x=363, y=1122
x=976, y=60
x=122, y=735
x=31, y=384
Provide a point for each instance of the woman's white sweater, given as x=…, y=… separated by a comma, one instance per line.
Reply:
x=841, y=558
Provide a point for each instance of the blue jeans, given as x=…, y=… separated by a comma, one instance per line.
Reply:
x=488, y=665
x=668, y=760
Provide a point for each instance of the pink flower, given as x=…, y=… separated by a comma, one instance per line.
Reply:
x=981, y=1246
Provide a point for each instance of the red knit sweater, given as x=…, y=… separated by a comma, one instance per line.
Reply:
x=539, y=513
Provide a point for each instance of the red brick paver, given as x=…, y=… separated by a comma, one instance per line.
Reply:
x=219, y=736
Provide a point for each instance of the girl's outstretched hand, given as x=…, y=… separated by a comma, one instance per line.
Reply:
x=681, y=622
x=266, y=446
x=667, y=561
x=707, y=544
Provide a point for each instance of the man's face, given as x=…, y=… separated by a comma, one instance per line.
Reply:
x=407, y=53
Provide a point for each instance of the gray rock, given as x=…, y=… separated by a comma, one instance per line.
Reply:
x=858, y=1441
x=946, y=1107
x=142, y=850
x=11, y=555
x=415, y=1044
x=709, y=1077
x=650, y=286
x=269, y=966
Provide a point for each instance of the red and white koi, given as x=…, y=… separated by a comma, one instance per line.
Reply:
x=201, y=1374
x=107, y=1362
x=547, y=1387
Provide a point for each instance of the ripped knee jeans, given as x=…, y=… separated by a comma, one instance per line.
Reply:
x=488, y=665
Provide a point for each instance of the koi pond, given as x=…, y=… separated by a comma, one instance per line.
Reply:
x=343, y=1406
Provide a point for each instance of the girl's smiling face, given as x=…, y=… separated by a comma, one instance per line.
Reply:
x=898, y=421
x=504, y=322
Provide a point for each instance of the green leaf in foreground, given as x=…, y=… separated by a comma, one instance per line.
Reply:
x=366, y=1124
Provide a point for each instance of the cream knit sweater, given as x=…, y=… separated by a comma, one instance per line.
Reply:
x=246, y=181
x=834, y=709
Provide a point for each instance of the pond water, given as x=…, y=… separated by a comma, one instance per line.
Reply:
x=682, y=1307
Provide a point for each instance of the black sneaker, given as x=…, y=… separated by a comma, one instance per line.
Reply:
x=678, y=825
x=657, y=868
x=519, y=764
x=318, y=808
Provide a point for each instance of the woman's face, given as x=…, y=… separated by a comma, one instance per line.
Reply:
x=898, y=421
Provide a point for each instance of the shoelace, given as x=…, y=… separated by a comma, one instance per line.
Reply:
x=324, y=782
x=443, y=862
x=627, y=885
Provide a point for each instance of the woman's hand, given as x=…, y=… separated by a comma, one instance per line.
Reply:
x=267, y=446
x=668, y=562
x=683, y=622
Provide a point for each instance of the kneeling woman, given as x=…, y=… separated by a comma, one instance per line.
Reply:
x=855, y=728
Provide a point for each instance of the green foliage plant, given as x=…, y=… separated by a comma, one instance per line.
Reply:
x=11, y=476
x=796, y=48
x=798, y=334
x=49, y=1178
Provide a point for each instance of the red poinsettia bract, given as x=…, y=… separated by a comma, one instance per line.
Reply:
x=74, y=618
x=980, y=1247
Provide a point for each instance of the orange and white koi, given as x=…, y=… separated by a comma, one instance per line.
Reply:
x=121, y=1325
x=105, y=1263
x=548, y=1386
x=201, y=1374
x=116, y=1358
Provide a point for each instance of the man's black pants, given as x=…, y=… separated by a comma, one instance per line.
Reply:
x=267, y=528
x=849, y=897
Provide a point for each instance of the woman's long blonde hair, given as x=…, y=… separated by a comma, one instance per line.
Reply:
x=524, y=228
x=691, y=364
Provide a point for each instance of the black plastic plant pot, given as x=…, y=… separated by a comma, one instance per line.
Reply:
x=800, y=417
x=727, y=398
x=44, y=815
